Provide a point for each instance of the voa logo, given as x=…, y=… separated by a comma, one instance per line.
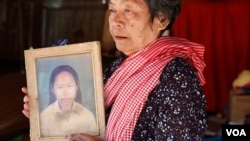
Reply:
x=236, y=132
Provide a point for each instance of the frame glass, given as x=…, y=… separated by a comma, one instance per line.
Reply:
x=65, y=86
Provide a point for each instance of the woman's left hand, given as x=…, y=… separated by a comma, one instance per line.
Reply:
x=82, y=137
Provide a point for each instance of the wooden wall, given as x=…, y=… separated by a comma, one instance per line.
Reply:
x=77, y=21
x=40, y=23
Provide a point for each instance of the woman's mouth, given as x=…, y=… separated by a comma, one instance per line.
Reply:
x=120, y=37
x=66, y=101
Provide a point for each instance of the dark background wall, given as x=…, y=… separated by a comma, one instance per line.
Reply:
x=222, y=26
x=40, y=23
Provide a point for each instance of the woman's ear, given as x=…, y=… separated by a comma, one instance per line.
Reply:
x=161, y=22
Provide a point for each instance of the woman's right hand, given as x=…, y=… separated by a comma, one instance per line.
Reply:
x=26, y=100
x=82, y=137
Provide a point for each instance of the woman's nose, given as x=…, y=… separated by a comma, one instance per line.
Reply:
x=65, y=91
x=117, y=19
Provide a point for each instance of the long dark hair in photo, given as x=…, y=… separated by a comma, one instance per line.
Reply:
x=53, y=76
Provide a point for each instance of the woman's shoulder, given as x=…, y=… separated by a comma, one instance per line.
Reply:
x=178, y=67
x=178, y=63
x=49, y=109
x=80, y=108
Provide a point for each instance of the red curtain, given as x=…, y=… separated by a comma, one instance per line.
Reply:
x=223, y=27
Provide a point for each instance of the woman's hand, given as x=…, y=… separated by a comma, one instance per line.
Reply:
x=26, y=101
x=82, y=137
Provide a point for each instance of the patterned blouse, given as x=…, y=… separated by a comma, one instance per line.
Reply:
x=175, y=109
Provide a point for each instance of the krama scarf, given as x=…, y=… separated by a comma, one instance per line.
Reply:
x=129, y=86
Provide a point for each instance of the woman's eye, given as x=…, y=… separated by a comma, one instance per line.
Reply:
x=127, y=10
x=112, y=10
x=71, y=85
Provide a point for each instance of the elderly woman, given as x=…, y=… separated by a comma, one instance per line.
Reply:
x=154, y=91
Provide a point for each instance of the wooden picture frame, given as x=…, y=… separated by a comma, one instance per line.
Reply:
x=47, y=122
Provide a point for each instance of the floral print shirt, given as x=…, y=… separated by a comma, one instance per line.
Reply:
x=175, y=109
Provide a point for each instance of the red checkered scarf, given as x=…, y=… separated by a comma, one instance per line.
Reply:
x=128, y=88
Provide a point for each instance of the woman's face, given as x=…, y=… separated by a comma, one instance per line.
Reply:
x=65, y=89
x=130, y=25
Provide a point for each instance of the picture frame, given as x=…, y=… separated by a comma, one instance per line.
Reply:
x=52, y=120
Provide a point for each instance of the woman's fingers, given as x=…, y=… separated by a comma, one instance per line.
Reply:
x=26, y=101
x=26, y=107
x=81, y=137
x=24, y=90
x=26, y=113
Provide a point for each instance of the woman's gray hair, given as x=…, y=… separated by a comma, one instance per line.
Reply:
x=170, y=9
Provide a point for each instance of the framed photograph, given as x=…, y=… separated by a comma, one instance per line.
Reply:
x=65, y=86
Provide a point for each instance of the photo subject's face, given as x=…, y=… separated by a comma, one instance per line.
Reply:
x=65, y=89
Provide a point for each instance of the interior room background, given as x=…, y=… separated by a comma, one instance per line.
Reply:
x=222, y=26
